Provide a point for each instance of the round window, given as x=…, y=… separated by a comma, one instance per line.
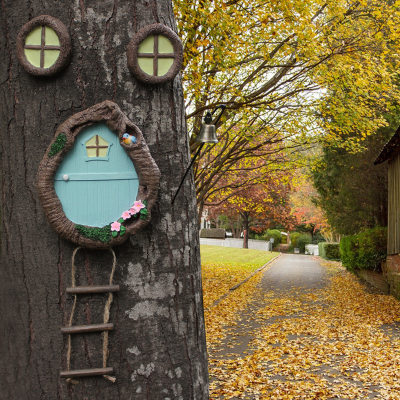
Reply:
x=43, y=46
x=155, y=54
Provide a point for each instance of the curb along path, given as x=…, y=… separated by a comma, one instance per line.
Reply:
x=238, y=285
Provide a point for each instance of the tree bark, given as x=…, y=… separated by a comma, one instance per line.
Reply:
x=245, y=221
x=157, y=347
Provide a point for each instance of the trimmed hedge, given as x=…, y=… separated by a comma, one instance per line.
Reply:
x=213, y=233
x=366, y=250
x=321, y=249
x=329, y=251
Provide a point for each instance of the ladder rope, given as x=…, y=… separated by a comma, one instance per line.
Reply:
x=71, y=318
x=106, y=315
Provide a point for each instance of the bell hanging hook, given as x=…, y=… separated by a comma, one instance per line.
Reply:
x=221, y=107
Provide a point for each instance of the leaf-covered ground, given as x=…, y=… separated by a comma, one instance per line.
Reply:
x=222, y=269
x=337, y=341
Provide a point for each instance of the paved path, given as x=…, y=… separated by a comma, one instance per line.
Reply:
x=294, y=271
x=295, y=289
x=288, y=272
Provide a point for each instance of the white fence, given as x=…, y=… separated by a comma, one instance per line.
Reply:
x=312, y=249
x=230, y=242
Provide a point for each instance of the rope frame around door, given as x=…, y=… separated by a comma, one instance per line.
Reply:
x=148, y=173
x=133, y=53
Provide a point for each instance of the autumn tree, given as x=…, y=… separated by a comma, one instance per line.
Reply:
x=273, y=62
x=157, y=348
x=306, y=214
x=258, y=201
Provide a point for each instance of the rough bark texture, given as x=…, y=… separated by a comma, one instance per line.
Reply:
x=157, y=348
x=245, y=220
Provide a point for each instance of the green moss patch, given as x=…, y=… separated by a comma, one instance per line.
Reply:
x=58, y=145
x=101, y=234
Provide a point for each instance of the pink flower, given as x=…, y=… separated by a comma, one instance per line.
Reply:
x=126, y=215
x=116, y=226
x=138, y=204
x=134, y=210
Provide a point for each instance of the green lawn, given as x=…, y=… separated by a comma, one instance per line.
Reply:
x=232, y=257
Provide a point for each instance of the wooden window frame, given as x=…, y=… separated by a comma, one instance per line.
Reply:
x=64, y=47
x=133, y=54
x=97, y=147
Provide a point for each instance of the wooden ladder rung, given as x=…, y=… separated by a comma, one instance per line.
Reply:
x=92, y=289
x=76, y=373
x=87, y=328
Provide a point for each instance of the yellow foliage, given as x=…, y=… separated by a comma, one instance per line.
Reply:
x=280, y=61
x=291, y=72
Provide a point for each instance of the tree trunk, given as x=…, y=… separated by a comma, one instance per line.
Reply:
x=157, y=347
x=245, y=221
x=312, y=230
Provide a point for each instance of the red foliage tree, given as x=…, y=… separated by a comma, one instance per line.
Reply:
x=255, y=201
x=304, y=210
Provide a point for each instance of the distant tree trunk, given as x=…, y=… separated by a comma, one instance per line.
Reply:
x=245, y=220
x=157, y=347
x=235, y=230
x=312, y=231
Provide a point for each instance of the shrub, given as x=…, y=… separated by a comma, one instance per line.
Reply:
x=294, y=236
x=213, y=233
x=349, y=252
x=300, y=240
x=274, y=234
x=372, y=247
x=271, y=233
x=330, y=251
x=366, y=250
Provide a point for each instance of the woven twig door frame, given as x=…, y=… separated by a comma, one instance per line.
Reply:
x=148, y=173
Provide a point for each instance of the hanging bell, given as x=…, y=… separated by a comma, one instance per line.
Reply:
x=207, y=135
x=208, y=132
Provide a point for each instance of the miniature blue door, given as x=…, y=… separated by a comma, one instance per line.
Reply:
x=97, y=181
